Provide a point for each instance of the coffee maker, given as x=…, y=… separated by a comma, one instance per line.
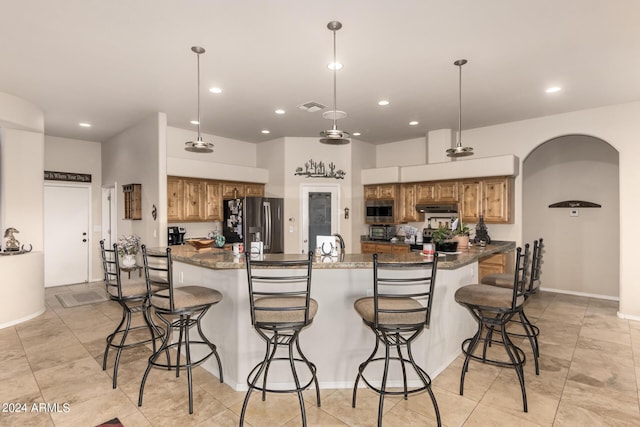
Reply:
x=176, y=235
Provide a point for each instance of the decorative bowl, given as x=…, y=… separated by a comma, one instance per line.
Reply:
x=200, y=243
x=219, y=241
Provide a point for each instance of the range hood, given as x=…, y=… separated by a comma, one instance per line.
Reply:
x=437, y=208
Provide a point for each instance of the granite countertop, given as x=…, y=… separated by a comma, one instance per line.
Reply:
x=219, y=259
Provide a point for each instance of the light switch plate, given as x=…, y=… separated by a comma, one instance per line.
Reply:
x=574, y=212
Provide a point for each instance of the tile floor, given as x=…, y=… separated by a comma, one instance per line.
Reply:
x=590, y=365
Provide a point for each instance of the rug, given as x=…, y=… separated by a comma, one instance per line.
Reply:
x=75, y=299
x=111, y=423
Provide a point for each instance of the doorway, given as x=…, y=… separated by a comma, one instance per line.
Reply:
x=109, y=210
x=320, y=209
x=66, y=233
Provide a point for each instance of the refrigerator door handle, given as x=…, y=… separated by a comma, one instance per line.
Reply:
x=267, y=223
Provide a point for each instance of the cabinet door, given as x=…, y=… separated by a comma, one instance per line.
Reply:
x=408, y=211
x=370, y=192
x=470, y=201
x=383, y=248
x=192, y=203
x=212, y=200
x=368, y=248
x=387, y=191
x=447, y=191
x=175, y=200
x=496, y=200
x=493, y=264
x=232, y=190
x=425, y=192
x=400, y=249
x=254, y=190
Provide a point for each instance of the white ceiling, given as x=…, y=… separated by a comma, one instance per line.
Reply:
x=112, y=63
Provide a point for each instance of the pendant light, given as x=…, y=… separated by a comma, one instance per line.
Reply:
x=334, y=136
x=198, y=146
x=460, y=151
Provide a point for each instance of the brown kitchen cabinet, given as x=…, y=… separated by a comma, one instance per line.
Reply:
x=383, y=248
x=380, y=191
x=201, y=200
x=408, y=199
x=212, y=201
x=496, y=264
x=489, y=197
x=446, y=191
x=193, y=205
x=175, y=198
x=238, y=190
x=425, y=192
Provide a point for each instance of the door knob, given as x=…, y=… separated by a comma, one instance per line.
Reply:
x=84, y=240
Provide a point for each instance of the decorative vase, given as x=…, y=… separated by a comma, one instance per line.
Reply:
x=128, y=260
x=463, y=241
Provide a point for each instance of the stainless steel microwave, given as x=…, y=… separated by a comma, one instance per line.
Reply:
x=379, y=212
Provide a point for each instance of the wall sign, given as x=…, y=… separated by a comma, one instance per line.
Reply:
x=67, y=176
x=313, y=169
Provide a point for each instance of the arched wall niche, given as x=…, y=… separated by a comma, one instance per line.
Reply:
x=582, y=246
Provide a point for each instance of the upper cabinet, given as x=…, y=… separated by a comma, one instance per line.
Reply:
x=489, y=197
x=380, y=192
x=425, y=192
x=199, y=200
x=446, y=191
x=238, y=190
x=408, y=198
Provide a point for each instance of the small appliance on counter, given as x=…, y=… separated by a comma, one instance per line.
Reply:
x=381, y=232
x=176, y=235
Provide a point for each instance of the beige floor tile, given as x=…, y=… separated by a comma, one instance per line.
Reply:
x=401, y=417
x=26, y=416
x=613, y=335
x=42, y=357
x=587, y=405
x=365, y=413
x=604, y=370
x=490, y=416
x=224, y=419
x=15, y=365
x=276, y=410
x=454, y=409
x=478, y=378
x=135, y=420
x=315, y=417
x=96, y=410
x=13, y=389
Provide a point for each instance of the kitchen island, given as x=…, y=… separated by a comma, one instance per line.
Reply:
x=337, y=341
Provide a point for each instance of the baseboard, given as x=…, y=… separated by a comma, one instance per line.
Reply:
x=580, y=294
x=22, y=319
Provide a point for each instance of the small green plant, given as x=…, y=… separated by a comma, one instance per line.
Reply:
x=441, y=234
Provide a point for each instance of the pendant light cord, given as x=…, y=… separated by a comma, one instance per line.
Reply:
x=198, y=55
x=335, y=70
x=460, y=104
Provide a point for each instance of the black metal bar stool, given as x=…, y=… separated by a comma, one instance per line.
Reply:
x=493, y=307
x=505, y=280
x=133, y=298
x=397, y=313
x=178, y=308
x=281, y=307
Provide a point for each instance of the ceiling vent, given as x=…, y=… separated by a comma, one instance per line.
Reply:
x=312, y=106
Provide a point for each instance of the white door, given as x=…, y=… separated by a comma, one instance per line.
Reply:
x=66, y=234
x=320, y=213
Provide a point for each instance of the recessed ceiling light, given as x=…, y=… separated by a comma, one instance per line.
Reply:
x=553, y=89
x=194, y=122
x=280, y=111
x=414, y=123
x=334, y=66
x=383, y=102
x=84, y=125
x=357, y=134
x=215, y=90
x=265, y=131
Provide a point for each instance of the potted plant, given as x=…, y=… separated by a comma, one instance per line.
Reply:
x=128, y=247
x=461, y=235
x=443, y=238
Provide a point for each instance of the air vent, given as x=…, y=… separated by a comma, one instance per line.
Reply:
x=312, y=106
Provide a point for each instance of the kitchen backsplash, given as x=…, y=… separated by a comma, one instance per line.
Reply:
x=199, y=229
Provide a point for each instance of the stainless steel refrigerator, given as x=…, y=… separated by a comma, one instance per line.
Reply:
x=255, y=219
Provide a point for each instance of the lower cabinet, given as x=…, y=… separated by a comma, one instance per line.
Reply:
x=496, y=264
x=383, y=248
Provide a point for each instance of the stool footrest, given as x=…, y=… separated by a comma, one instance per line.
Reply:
x=521, y=356
x=181, y=365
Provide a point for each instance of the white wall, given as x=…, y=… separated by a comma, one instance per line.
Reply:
x=402, y=153
x=138, y=156
x=575, y=168
x=72, y=155
x=363, y=156
x=21, y=207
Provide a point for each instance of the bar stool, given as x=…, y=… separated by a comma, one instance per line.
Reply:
x=493, y=307
x=133, y=298
x=398, y=311
x=505, y=280
x=281, y=307
x=178, y=308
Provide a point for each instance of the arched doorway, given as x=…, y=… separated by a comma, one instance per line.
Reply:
x=582, y=247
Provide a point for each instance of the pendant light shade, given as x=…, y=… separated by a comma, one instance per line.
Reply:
x=198, y=146
x=459, y=150
x=334, y=136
